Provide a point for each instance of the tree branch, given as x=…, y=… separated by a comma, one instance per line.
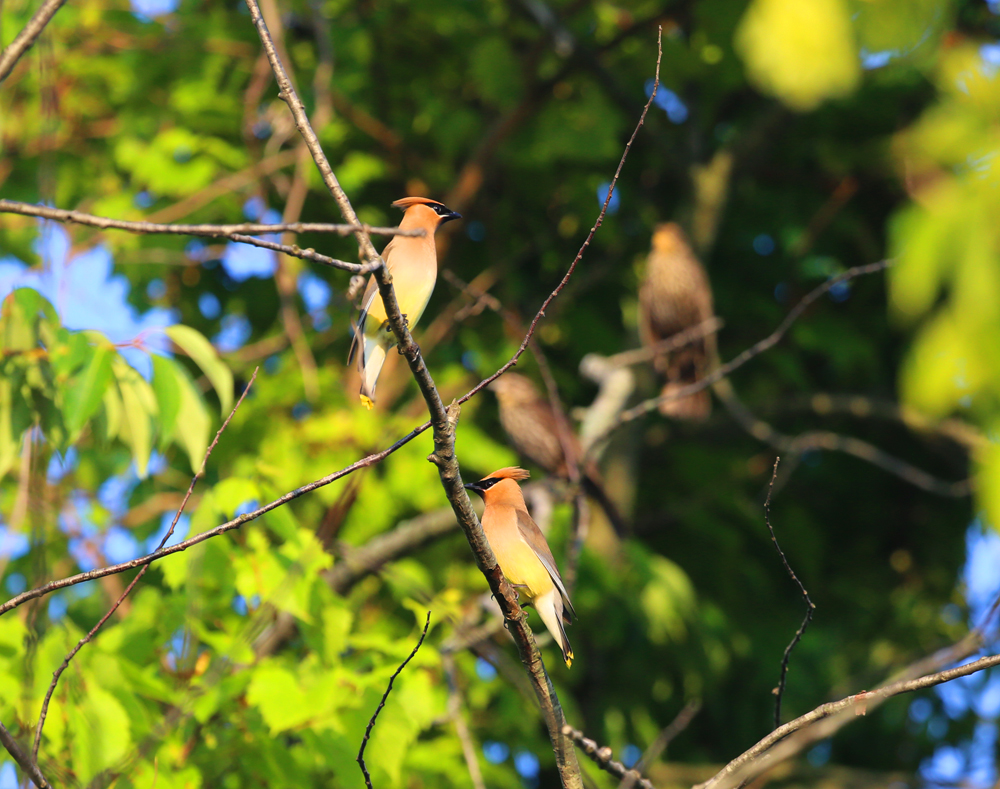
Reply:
x=86, y=639
x=237, y=233
x=25, y=762
x=792, y=738
x=720, y=372
x=381, y=704
x=834, y=442
x=810, y=607
x=24, y=40
x=602, y=758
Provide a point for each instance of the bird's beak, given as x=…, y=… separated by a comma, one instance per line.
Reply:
x=474, y=486
x=449, y=217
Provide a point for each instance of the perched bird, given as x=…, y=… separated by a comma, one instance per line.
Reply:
x=533, y=427
x=412, y=261
x=523, y=554
x=675, y=296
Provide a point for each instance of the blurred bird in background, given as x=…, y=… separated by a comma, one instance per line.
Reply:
x=675, y=296
x=412, y=261
x=523, y=554
x=533, y=427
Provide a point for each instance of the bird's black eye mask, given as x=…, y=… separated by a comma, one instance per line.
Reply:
x=483, y=485
x=444, y=212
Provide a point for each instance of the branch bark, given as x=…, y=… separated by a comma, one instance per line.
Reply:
x=26, y=38
x=232, y=232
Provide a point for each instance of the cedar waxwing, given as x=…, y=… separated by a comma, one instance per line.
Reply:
x=522, y=552
x=675, y=296
x=412, y=261
x=533, y=428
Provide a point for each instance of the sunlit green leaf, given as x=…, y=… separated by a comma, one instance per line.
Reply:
x=205, y=356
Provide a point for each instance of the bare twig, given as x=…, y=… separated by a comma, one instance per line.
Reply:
x=602, y=758
x=381, y=704
x=720, y=372
x=24, y=40
x=86, y=639
x=671, y=343
x=810, y=606
x=24, y=761
x=665, y=737
x=238, y=232
x=834, y=442
x=822, y=722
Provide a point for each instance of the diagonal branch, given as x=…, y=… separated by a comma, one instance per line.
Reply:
x=24, y=761
x=24, y=40
x=86, y=639
x=797, y=735
x=720, y=372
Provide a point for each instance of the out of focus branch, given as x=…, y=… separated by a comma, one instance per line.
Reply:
x=720, y=372
x=824, y=439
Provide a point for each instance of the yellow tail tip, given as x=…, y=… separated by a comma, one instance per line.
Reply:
x=367, y=402
x=569, y=660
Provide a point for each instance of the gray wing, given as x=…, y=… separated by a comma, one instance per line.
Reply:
x=536, y=541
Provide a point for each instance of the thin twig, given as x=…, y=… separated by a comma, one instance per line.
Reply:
x=22, y=43
x=86, y=639
x=671, y=343
x=381, y=704
x=810, y=606
x=834, y=442
x=822, y=722
x=648, y=406
x=602, y=758
x=239, y=233
x=25, y=762
x=665, y=737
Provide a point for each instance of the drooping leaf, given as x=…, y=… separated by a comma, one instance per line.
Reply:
x=168, y=395
x=205, y=356
x=84, y=397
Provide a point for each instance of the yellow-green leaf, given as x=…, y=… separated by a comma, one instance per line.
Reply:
x=801, y=51
x=195, y=345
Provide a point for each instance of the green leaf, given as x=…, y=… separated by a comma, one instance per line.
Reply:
x=84, y=396
x=195, y=345
x=168, y=395
x=139, y=411
x=8, y=440
x=193, y=423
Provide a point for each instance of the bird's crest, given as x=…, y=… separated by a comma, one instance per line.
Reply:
x=406, y=202
x=509, y=473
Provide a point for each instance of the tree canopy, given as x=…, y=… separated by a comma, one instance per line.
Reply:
x=792, y=140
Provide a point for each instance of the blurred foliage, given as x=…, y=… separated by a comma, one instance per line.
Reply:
x=876, y=137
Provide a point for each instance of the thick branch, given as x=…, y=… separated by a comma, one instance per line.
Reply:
x=24, y=761
x=443, y=422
